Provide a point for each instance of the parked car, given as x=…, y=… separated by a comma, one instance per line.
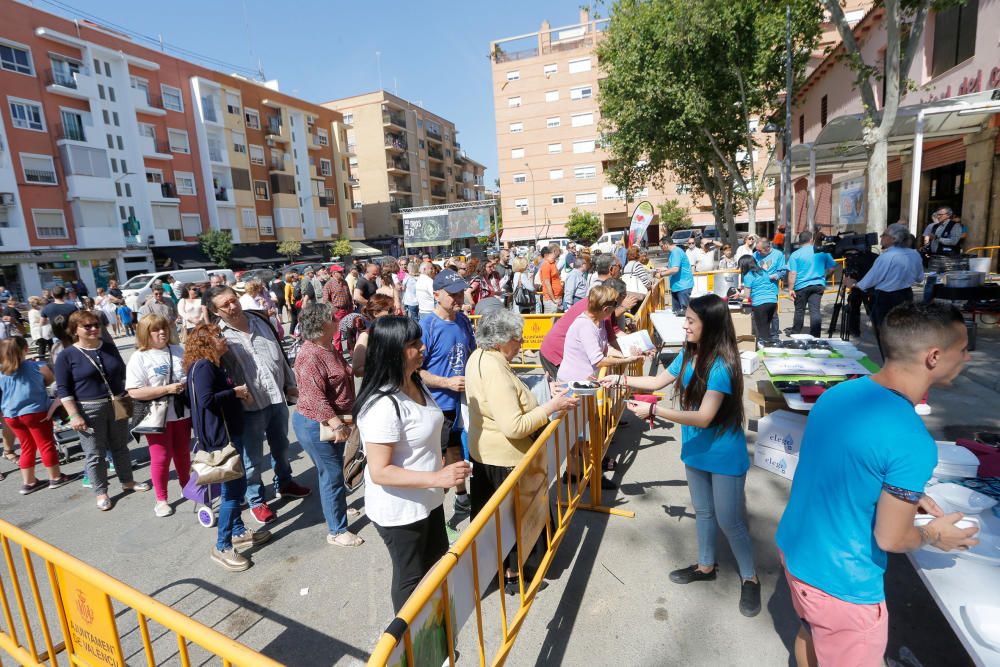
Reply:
x=298, y=267
x=263, y=275
x=141, y=286
x=562, y=242
x=680, y=236
x=228, y=277
x=606, y=243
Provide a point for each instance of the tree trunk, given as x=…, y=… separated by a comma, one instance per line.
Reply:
x=877, y=205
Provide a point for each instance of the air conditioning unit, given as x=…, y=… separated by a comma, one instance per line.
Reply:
x=7, y=198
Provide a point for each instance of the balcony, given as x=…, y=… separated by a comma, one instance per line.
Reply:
x=70, y=133
x=153, y=149
x=438, y=192
x=435, y=153
x=315, y=143
x=352, y=148
x=91, y=188
x=394, y=118
x=272, y=128
x=224, y=195
x=358, y=206
x=324, y=201
x=398, y=186
x=432, y=134
x=279, y=164
x=99, y=237
x=353, y=180
x=398, y=164
x=78, y=85
x=163, y=193
x=216, y=152
x=151, y=105
x=437, y=173
x=395, y=143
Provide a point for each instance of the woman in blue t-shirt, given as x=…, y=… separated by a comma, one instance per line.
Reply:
x=763, y=293
x=708, y=381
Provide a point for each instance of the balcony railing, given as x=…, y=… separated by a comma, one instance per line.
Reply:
x=437, y=192
x=272, y=126
x=437, y=173
x=397, y=186
x=222, y=194
x=398, y=163
x=394, y=118
x=434, y=153
x=150, y=100
x=277, y=164
x=71, y=132
x=432, y=133
x=351, y=146
x=168, y=190
x=392, y=141
x=357, y=205
x=324, y=202
x=40, y=176
x=63, y=78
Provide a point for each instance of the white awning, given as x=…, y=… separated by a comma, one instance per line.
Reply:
x=359, y=249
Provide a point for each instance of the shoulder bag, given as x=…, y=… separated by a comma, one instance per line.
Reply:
x=218, y=465
x=151, y=416
x=523, y=297
x=633, y=283
x=122, y=405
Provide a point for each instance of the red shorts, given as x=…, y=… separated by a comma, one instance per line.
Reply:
x=843, y=633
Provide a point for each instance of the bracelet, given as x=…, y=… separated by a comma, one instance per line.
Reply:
x=74, y=415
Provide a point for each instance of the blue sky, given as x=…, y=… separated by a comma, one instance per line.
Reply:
x=433, y=53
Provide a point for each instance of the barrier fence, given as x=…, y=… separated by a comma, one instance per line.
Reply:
x=90, y=607
x=564, y=462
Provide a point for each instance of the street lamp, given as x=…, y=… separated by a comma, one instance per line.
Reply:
x=534, y=214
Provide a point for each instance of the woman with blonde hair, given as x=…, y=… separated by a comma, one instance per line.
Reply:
x=586, y=349
x=155, y=372
x=256, y=297
x=40, y=333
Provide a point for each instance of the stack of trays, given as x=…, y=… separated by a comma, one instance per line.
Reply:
x=955, y=462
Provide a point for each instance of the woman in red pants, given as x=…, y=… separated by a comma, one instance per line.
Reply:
x=27, y=410
x=156, y=373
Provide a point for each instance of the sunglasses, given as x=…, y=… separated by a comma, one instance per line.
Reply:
x=92, y=325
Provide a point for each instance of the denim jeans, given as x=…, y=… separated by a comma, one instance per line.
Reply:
x=230, y=521
x=271, y=422
x=679, y=301
x=808, y=296
x=719, y=503
x=413, y=312
x=328, y=457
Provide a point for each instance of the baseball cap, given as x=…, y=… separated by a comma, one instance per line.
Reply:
x=450, y=282
x=337, y=267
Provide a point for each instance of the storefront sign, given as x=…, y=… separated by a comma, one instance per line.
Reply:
x=91, y=622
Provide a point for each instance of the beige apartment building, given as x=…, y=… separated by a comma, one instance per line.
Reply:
x=401, y=156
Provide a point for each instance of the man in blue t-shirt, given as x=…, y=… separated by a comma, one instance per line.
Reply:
x=681, y=278
x=772, y=260
x=807, y=272
x=449, y=340
x=864, y=462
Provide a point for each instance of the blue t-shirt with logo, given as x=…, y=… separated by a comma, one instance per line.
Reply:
x=773, y=263
x=683, y=279
x=449, y=345
x=762, y=288
x=712, y=449
x=860, y=437
x=809, y=266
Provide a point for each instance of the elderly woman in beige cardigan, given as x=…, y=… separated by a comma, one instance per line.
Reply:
x=504, y=418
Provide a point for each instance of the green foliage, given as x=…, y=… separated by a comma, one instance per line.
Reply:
x=673, y=216
x=341, y=248
x=218, y=245
x=290, y=248
x=583, y=226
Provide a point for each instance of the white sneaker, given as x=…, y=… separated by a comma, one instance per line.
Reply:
x=162, y=509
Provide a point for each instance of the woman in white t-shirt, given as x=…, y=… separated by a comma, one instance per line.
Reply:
x=400, y=426
x=156, y=371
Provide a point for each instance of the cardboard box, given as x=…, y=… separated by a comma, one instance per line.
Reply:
x=743, y=323
x=750, y=362
x=778, y=461
x=746, y=343
x=782, y=429
x=766, y=397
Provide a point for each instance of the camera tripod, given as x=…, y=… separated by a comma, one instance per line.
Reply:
x=838, y=306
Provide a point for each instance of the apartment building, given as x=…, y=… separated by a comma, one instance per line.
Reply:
x=400, y=156
x=115, y=157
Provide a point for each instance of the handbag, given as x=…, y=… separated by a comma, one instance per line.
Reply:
x=354, y=462
x=218, y=465
x=122, y=405
x=151, y=416
x=632, y=281
x=523, y=298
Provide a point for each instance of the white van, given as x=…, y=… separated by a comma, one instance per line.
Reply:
x=562, y=242
x=607, y=241
x=141, y=286
x=228, y=277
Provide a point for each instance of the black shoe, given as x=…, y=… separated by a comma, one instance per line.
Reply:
x=750, y=598
x=512, y=586
x=688, y=574
x=608, y=484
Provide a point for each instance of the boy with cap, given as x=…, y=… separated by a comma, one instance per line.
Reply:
x=449, y=340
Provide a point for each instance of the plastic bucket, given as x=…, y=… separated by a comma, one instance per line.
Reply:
x=980, y=264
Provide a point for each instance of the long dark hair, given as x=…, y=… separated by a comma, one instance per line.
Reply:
x=748, y=264
x=718, y=341
x=388, y=337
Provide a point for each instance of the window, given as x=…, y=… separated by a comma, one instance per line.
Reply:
x=253, y=118
x=49, y=224
x=107, y=70
x=121, y=144
x=147, y=130
x=191, y=224
x=582, y=119
x=239, y=142
x=954, y=36
x=516, y=153
x=140, y=84
x=349, y=119
x=555, y=148
x=323, y=137
x=586, y=146
x=178, y=140
x=581, y=92
x=175, y=235
x=521, y=203
x=520, y=178
x=114, y=117
x=558, y=199
x=514, y=75
x=552, y=122
x=325, y=167
x=185, y=183
x=516, y=127
x=822, y=111
x=579, y=65
x=260, y=190
x=266, y=223
x=249, y=217
x=555, y=174
x=550, y=69
x=100, y=91
x=256, y=154
x=611, y=193
x=552, y=96
x=107, y=117
x=586, y=198
x=26, y=114
x=172, y=99
x=233, y=107
x=111, y=92
x=16, y=58
x=38, y=169
x=513, y=102
x=154, y=176
x=585, y=172
x=72, y=125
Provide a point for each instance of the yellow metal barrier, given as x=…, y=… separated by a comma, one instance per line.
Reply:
x=830, y=289
x=425, y=629
x=82, y=599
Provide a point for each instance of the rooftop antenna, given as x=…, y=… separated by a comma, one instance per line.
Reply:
x=246, y=23
x=395, y=86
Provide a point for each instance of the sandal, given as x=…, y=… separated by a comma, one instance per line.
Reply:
x=345, y=539
x=10, y=455
x=104, y=503
x=137, y=486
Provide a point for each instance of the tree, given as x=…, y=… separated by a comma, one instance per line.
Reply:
x=341, y=248
x=686, y=80
x=218, y=245
x=904, y=23
x=673, y=216
x=583, y=226
x=290, y=248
